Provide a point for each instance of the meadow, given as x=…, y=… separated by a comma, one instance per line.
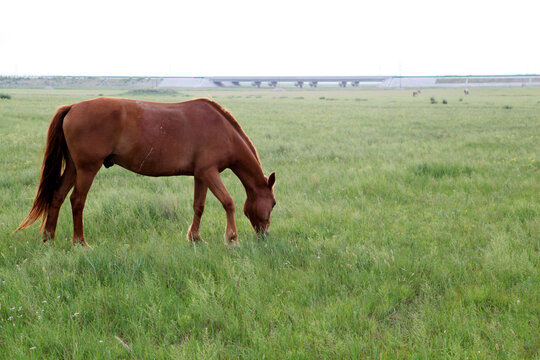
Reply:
x=405, y=229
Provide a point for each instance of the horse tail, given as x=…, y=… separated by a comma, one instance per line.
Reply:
x=54, y=161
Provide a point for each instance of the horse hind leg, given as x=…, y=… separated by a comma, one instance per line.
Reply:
x=85, y=177
x=66, y=183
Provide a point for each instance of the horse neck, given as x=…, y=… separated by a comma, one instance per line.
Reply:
x=249, y=171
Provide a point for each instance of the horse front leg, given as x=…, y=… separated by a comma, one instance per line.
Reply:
x=199, y=198
x=213, y=181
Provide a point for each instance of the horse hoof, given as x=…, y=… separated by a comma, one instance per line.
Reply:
x=194, y=237
x=47, y=236
x=197, y=240
x=233, y=244
x=231, y=240
x=82, y=242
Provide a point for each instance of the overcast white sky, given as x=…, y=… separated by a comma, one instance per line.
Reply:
x=273, y=37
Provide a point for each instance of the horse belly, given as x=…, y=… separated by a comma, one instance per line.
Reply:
x=156, y=160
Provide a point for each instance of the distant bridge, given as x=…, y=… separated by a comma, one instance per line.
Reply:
x=298, y=81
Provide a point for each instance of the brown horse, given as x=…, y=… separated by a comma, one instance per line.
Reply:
x=197, y=137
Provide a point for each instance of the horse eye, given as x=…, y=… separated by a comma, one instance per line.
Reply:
x=274, y=203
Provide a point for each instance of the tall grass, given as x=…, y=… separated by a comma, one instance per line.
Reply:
x=402, y=230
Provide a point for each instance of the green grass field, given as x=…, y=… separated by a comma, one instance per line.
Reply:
x=403, y=230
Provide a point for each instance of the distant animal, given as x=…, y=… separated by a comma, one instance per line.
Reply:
x=466, y=91
x=416, y=93
x=198, y=138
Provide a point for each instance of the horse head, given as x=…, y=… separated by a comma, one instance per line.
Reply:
x=258, y=208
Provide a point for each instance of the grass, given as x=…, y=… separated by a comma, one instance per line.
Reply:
x=402, y=230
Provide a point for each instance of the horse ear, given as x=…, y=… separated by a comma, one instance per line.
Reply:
x=272, y=180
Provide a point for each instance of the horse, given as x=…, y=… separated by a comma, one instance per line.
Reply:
x=466, y=91
x=198, y=138
x=416, y=93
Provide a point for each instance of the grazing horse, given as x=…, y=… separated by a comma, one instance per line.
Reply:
x=466, y=91
x=416, y=93
x=197, y=138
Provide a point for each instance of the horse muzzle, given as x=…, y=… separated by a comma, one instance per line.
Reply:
x=262, y=231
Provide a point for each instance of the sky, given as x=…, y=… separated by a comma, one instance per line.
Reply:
x=269, y=38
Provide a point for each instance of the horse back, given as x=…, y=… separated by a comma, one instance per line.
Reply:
x=155, y=139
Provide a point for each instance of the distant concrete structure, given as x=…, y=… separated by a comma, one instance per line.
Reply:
x=298, y=81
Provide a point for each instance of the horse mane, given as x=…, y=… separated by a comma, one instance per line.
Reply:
x=235, y=124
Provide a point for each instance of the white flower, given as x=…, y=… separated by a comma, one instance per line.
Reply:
x=33, y=348
x=44, y=301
